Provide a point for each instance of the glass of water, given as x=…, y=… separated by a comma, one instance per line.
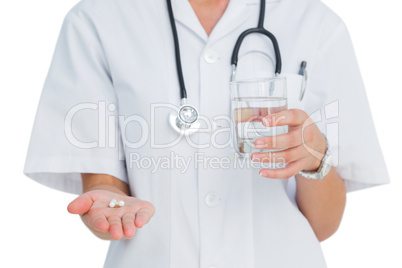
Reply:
x=251, y=101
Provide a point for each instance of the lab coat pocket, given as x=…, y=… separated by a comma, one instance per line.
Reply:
x=295, y=84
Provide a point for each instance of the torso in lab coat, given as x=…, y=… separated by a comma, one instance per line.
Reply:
x=212, y=210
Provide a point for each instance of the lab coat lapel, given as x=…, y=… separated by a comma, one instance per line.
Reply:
x=235, y=14
x=256, y=1
x=184, y=14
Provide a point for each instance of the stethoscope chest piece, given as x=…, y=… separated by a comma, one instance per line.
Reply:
x=185, y=121
x=187, y=115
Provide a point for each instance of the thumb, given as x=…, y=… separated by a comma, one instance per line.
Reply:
x=80, y=205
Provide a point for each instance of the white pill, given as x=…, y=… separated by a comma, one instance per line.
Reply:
x=121, y=203
x=114, y=201
x=112, y=204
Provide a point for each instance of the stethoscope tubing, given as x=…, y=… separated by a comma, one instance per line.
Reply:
x=234, y=59
x=180, y=123
x=235, y=54
x=183, y=91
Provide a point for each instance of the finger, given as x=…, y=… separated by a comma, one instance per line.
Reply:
x=291, y=117
x=288, y=140
x=98, y=221
x=80, y=205
x=285, y=156
x=144, y=215
x=115, y=230
x=128, y=225
x=290, y=170
x=252, y=114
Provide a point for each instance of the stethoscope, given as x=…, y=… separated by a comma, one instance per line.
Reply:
x=186, y=120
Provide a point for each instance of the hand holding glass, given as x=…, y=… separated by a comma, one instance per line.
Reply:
x=251, y=101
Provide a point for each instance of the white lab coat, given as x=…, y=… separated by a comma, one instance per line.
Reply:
x=121, y=53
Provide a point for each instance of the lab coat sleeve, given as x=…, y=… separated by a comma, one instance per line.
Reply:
x=75, y=129
x=337, y=95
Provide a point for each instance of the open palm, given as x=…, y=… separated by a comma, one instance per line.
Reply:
x=111, y=223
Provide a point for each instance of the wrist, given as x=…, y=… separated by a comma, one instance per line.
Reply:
x=106, y=182
x=319, y=171
x=314, y=166
x=318, y=156
x=106, y=187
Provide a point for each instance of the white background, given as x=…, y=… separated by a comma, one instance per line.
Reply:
x=35, y=225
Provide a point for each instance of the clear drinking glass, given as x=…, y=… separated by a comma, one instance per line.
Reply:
x=251, y=100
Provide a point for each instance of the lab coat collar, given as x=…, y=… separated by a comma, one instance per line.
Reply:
x=255, y=1
x=184, y=14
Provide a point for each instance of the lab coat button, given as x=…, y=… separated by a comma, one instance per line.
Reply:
x=212, y=200
x=210, y=56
